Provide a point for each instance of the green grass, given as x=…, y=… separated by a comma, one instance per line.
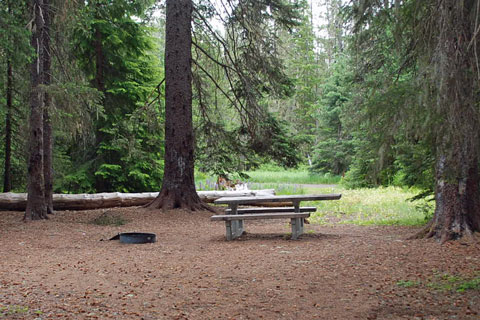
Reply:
x=473, y=284
x=375, y=206
x=445, y=282
x=291, y=176
x=280, y=188
x=379, y=206
x=6, y=311
x=408, y=283
x=458, y=283
x=262, y=179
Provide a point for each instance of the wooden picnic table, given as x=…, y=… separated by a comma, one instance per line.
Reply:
x=234, y=217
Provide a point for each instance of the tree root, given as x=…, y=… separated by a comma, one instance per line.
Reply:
x=425, y=233
x=31, y=215
x=178, y=199
x=443, y=236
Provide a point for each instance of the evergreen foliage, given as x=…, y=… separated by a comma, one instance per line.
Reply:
x=234, y=75
x=367, y=129
x=306, y=66
x=335, y=147
x=15, y=52
x=128, y=148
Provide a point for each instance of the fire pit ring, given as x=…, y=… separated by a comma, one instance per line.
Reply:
x=138, y=237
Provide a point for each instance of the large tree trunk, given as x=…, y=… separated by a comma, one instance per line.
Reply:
x=457, y=196
x=47, y=125
x=36, y=208
x=178, y=189
x=7, y=178
x=457, y=211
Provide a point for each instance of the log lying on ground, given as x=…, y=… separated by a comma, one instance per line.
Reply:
x=84, y=201
x=210, y=196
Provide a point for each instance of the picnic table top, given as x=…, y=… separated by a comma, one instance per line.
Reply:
x=283, y=198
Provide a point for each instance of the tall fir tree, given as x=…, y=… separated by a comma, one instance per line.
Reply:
x=436, y=84
x=36, y=205
x=15, y=50
x=251, y=69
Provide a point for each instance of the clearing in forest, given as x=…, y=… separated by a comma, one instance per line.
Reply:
x=59, y=268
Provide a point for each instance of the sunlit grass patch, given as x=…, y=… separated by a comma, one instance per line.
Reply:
x=278, y=178
x=280, y=188
x=375, y=206
x=380, y=206
x=291, y=176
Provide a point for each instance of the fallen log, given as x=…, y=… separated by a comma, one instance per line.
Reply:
x=85, y=201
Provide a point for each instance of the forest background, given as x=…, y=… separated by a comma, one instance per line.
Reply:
x=114, y=141
x=350, y=103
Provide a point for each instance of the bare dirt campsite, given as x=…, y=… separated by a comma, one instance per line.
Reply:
x=59, y=268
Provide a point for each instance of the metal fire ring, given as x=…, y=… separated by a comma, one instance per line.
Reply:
x=137, y=237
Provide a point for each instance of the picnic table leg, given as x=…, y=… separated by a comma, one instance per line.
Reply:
x=236, y=226
x=297, y=227
x=232, y=231
x=228, y=227
x=297, y=223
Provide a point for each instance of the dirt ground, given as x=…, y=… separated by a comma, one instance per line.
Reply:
x=60, y=269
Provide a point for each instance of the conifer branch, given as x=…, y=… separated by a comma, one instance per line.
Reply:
x=210, y=57
x=216, y=84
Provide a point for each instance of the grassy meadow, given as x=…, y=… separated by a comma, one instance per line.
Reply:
x=373, y=206
x=291, y=177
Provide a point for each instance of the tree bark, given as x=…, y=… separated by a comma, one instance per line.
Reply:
x=178, y=188
x=7, y=178
x=457, y=196
x=36, y=208
x=457, y=210
x=47, y=125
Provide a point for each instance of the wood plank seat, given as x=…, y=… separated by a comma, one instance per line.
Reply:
x=271, y=210
x=232, y=232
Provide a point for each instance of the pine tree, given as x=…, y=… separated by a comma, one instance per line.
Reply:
x=250, y=70
x=47, y=124
x=178, y=189
x=455, y=79
x=36, y=206
x=437, y=80
x=116, y=52
x=14, y=52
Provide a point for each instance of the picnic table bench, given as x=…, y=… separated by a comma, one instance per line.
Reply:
x=235, y=216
